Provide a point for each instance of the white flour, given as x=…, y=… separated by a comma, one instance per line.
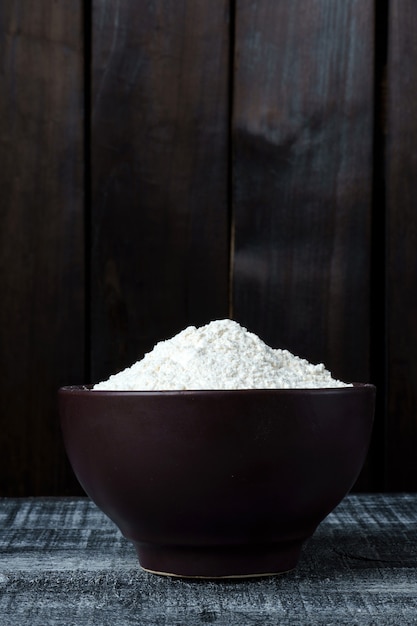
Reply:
x=220, y=355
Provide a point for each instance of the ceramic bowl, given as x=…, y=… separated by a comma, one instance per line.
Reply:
x=217, y=483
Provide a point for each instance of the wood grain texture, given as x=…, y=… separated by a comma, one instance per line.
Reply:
x=302, y=140
x=64, y=563
x=401, y=228
x=295, y=80
x=41, y=236
x=159, y=173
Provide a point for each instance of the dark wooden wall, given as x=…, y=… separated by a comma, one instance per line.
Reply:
x=168, y=162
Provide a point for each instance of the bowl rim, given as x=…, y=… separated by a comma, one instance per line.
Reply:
x=354, y=387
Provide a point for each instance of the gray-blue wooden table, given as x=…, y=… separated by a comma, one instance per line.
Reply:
x=63, y=562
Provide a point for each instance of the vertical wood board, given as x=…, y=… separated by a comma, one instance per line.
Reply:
x=159, y=173
x=302, y=140
x=41, y=236
x=401, y=228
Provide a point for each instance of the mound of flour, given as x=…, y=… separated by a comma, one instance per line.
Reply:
x=220, y=355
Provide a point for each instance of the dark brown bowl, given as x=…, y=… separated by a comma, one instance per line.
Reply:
x=217, y=483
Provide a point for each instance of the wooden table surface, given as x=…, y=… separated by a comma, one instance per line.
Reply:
x=63, y=562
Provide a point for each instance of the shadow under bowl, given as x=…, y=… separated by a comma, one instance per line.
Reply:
x=217, y=483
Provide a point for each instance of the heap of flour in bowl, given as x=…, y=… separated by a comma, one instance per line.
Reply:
x=220, y=355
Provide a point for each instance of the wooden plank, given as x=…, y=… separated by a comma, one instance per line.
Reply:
x=401, y=228
x=41, y=236
x=302, y=133
x=64, y=562
x=159, y=173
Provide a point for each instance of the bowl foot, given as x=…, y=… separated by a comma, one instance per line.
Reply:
x=243, y=561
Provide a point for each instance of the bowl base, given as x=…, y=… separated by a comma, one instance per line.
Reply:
x=243, y=561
